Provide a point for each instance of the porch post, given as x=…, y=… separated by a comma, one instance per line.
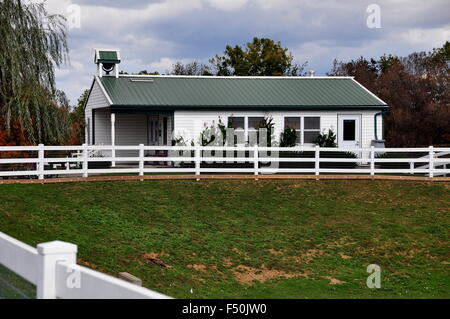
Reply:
x=113, y=137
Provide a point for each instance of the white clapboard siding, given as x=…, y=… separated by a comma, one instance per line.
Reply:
x=97, y=99
x=131, y=129
x=189, y=124
x=102, y=126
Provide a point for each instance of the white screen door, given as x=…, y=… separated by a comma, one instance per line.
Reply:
x=349, y=132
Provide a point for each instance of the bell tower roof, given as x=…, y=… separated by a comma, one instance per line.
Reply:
x=107, y=56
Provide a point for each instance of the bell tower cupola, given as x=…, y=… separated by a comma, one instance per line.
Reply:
x=107, y=60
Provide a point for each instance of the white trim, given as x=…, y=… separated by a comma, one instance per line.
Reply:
x=97, y=54
x=302, y=126
x=338, y=137
x=234, y=77
x=367, y=90
x=103, y=90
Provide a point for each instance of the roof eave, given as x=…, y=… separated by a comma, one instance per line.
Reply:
x=248, y=107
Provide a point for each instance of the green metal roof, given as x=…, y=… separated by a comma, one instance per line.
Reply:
x=203, y=93
x=107, y=57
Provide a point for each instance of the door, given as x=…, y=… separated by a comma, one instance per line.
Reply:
x=349, y=130
x=153, y=130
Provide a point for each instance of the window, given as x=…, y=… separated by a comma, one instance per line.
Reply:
x=238, y=124
x=254, y=123
x=349, y=130
x=312, y=129
x=294, y=123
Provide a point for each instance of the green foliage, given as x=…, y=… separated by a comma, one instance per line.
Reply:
x=267, y=124
x=223, y=129
x=143, y=72
x=260, y=57
x=288, y=137
x=327, y=139
x=32, y=43
x=211, y=135
x=178, y=141
x=77, y=119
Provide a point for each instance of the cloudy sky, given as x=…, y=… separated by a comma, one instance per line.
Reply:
x=154, y=34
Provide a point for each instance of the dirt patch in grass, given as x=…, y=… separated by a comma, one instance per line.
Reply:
x=154, y=258
x=343, y=256
x=334, y=281
x=203, y=267
x=339, y=243
x=411, y=253
x=307, y=256
x=198, y=267
x=227, y=262
x=196, y=278
x=247, y=275
x=276, y=252
x=241, y=253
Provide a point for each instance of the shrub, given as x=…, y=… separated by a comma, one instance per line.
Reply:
x=288, y=137
x=266, y=123
x=323, y=154
x=327, y=139
x=211, y=135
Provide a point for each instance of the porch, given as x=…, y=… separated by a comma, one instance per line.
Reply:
x=131, y=127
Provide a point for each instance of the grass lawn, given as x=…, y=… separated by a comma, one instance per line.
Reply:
x=248, y=239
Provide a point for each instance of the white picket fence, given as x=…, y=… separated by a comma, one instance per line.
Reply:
x=264, y=160
x=52, y=268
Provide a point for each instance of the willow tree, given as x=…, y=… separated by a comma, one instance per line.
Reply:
x=33, y=42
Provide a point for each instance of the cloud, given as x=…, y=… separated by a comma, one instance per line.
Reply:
x=228, y=5
x=164, y=65
x=153, y=35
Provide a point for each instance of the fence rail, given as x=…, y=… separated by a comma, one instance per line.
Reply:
x=52, y=268
x=40, y=161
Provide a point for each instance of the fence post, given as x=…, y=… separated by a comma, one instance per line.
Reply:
x=197, y=161
x=85, y=160
x=255, y=160
x=48, y=255
x=372, y=160
x=317, y=161
x=41, y=161
x=411, y=168
x=141, y=160
x=431, y=162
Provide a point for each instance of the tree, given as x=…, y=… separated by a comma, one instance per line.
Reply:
x=143, y=72
x=192, y=68
x=417, y=90
x=33, y=42
x=260, y=57
x=77, y=120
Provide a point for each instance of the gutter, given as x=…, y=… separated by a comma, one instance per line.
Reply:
x=246, y=107
x=382, y=123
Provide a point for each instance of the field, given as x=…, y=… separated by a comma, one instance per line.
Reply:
x=248, y=239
